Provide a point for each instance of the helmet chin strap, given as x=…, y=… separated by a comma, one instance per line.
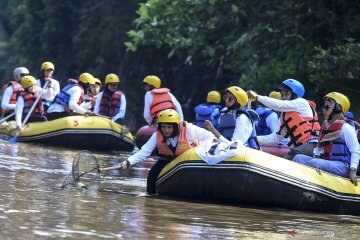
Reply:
x=336, y=113
x=293, y=96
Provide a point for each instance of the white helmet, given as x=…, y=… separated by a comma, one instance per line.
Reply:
x=20, y=71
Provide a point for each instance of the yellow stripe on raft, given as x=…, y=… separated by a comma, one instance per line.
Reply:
x=70, y=122
x=280, y=165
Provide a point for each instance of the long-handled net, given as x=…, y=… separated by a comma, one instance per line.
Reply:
x=85, y=171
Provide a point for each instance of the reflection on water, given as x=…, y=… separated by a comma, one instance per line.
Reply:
x=33, y=206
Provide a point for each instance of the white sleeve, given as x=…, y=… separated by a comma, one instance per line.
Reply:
x=38, y=82
x=97, y=103
x=272, y=121
x=178, y=106
x=243, y=129
x=86, y=105
x=122, y=109
x=147, y=114
x=272, y=138
x=352, y=144
x=223, y=139
x=51, y=92
x=6, y=99
x=56, y=86
x=145, y=150
x=195, y=133
x=19, y=111
x=75, y=94
x=299, y=105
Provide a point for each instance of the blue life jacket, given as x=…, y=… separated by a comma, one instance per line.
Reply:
x=261, y=126
x=203, y=112
x=227, y=123
x=63, y=97
x=215, y=116
x=337, y=149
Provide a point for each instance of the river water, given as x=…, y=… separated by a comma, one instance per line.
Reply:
x=33, y=206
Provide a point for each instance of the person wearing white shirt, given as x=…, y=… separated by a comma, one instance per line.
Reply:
x=12, y=88
x=298, y=120
x=111, y=102
x=53, y=87
x=236, y=123
x=338, y=151
x=158, y=99
x=68, y=101
x=25, y=102
x=172, y=138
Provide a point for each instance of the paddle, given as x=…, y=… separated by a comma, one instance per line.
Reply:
x=7, y=117
x=14, y=139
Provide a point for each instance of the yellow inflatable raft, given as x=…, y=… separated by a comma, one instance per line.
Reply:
x=90, y=132
x=260, y=179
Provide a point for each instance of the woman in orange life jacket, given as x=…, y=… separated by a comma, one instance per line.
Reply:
x=158, y=99
x=111, y=102
x=53, y=87
x=298, y=120
x=338, y=151
x=92, y=93
x=26, y=100
x=172, y=138
x=11, y=90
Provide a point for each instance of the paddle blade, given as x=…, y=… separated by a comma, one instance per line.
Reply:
x=14, y=138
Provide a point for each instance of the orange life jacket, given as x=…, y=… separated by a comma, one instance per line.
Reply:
x=181, y=146
x=17, y=88
x=161, y=101
x=299, y=129
x=29, y=100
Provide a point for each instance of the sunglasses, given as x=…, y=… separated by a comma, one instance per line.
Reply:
x=228, y=98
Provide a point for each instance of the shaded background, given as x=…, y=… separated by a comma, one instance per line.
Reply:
x=193, y=46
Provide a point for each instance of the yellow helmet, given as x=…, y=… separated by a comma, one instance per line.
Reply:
x=168, y=116
x=240, y=95
x=340, y=99
x=112, y=78
x=86, y=78
x=153, y=81
x=27, y=81
x=96, y=80
x=47, y=65
x=275, y=94
x=213, y=97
